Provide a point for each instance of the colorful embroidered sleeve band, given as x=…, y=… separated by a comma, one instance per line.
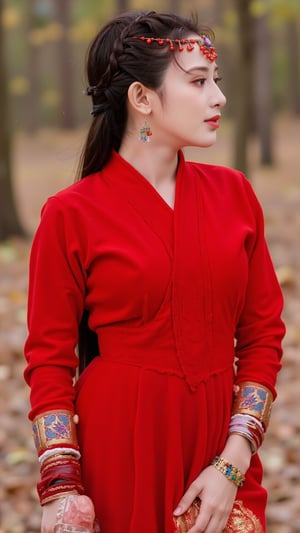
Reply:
x=255, y=400
x=54, y=428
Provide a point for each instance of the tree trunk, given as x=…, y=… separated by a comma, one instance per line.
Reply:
x=244, y=76
x=175, y=6
x=293, y=66
x=65, y=63
x=122, y=6
x=263, y=88
x=33, y=75
x=9, y=221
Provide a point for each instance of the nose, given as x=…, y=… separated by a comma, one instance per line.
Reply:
x=219, y=98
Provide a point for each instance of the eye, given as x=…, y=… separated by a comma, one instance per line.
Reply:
x=217, y=80
x=200, y=81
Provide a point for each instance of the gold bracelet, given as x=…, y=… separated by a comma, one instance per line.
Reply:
x=231, y=472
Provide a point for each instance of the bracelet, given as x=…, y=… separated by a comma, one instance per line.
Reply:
x=60, y=475
x=51, y=452
x=231, y=472
x=255, y=400
x=248, y=427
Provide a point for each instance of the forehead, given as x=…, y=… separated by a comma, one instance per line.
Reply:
x=194, y=60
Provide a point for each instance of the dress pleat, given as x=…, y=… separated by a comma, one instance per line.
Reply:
x=149, y=436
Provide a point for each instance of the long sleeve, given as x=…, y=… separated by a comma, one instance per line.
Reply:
x=260, y=328
x=55, y=306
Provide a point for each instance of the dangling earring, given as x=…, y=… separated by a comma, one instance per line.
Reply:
x=145, y=133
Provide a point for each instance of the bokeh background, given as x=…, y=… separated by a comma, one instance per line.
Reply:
x=44, y=116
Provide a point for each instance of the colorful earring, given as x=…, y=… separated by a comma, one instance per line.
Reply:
x=145, y=133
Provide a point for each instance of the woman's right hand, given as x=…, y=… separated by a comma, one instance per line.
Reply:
x=73, y=510
x=49, y=515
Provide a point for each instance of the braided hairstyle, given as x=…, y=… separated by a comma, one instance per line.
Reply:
x=115, y=60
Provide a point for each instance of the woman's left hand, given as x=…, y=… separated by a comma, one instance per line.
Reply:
x=217, y=495
x=216, y=492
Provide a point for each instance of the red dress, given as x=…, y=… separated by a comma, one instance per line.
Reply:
x=174, y=297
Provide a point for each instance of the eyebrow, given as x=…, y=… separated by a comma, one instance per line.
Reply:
x=195, y=70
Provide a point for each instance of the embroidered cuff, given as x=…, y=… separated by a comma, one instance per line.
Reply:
x=54, y=428
x=255, y=400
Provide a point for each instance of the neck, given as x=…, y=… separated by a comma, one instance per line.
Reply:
x=157, y=164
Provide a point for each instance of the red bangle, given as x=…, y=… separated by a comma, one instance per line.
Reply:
x=59, y=476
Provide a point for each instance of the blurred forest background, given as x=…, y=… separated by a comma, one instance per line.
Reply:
x=44, y=116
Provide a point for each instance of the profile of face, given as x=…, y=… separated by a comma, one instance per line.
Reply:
x=186, y=110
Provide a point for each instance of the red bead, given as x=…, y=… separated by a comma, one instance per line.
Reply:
x=189, y=47
x=148, y=41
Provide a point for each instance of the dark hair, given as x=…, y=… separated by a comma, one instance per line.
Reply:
x=115, y=60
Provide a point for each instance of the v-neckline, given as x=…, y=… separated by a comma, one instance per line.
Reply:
x=132, y=178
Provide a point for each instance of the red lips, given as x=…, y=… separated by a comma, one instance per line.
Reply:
x=213, y=121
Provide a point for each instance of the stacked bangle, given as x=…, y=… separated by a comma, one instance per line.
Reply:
x=56, y=443
x=60, y=475
x=249, y=427
x=230, y=471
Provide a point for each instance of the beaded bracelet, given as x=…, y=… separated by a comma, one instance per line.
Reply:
x=230, y=471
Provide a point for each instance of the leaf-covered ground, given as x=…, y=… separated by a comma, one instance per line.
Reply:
x=44, y=164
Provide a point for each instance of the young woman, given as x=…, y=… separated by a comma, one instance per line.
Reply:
x=167, y=260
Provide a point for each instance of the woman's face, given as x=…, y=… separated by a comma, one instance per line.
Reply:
x=187, y=112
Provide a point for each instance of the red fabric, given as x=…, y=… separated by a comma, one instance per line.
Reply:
x=168, y=291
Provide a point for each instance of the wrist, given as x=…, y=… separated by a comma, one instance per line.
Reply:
x=238, y=452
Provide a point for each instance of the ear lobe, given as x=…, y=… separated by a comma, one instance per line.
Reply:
x=138, y=97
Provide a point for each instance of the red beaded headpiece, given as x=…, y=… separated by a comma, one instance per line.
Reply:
x=204, y=43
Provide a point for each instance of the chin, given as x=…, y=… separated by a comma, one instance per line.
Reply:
x=207, y=144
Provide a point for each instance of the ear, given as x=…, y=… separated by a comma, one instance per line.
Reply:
x=140, y=97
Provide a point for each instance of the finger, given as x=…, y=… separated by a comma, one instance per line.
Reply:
x=203, y=519
x=210, y=520
x=187, y=500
